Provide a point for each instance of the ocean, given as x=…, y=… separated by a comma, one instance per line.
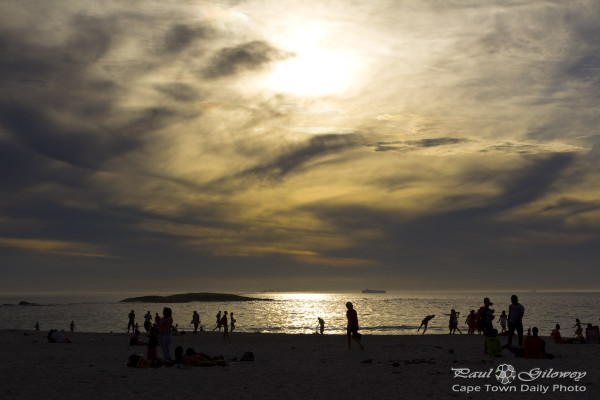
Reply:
x=391, y=313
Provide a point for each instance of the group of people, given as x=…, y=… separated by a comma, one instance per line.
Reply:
x=224, y=323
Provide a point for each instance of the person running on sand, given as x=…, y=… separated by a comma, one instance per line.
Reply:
x=425, y=322
x=352, y=328
x=131, y=323
x=225, y=325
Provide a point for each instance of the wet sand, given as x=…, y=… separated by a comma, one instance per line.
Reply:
x=93, y=366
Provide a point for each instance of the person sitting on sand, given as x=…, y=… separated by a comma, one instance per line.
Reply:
x=321, y=325
x=135, y=339
x=535, y=347
x=556, y=336
x=352, y=328
x=492, y=344
x=54, y=336
x=425, y=322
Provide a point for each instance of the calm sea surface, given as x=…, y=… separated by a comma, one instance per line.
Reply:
x=392, y=313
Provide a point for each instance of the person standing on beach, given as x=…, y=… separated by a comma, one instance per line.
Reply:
x=131, y=323
x=72, y=326
x=425, y=322
x=232, y=322
x=165, y=330
x=453, y=322
x=352, y=328
x=486, y=315
x=148, y=321
x=515, y=319
x=195, y=321
x=225, y=325
x=37, y=326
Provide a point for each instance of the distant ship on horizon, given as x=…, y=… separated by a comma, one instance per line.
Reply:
x=373, y=291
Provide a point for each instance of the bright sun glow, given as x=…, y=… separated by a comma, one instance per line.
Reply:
x=313, y=70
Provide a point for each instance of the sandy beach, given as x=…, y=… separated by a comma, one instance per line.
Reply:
x=93, y=366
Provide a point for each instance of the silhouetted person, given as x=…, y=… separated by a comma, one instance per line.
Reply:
x=37, y=326
x=321, y=326
x=147, y=321
x=165, y=330
x=72, y=326
x=453, y=322
x=195, y=321
x=352, y=328
x=471, y=322
x=535, y=347
x=232, y=323
x=131, y=323
x=578, y=329
x=503, y=318
x=218, y=321
x=486, y=315
x=425, y=322
x=156, y=319
x=225, y=325
x=515, y=319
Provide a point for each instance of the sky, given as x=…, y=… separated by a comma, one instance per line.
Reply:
x=280, y=145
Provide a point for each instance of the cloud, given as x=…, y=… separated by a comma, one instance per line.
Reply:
x=56, y=247
x=244, y=57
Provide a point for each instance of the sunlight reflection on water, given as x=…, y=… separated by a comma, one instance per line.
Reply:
x=390, y=313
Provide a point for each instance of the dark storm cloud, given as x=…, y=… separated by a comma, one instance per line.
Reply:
x=247, y=56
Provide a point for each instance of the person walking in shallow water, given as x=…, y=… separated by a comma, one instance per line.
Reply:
x=131, y=323
x=225, y=325
x=232, y=323
x=218, y=321
x=352, y=328
x=321, y=326
x=195, y=321
x=425, y=322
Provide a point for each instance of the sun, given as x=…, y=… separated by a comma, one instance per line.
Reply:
x=314, y=69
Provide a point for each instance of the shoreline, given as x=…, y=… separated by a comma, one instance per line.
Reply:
x=290, y=366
